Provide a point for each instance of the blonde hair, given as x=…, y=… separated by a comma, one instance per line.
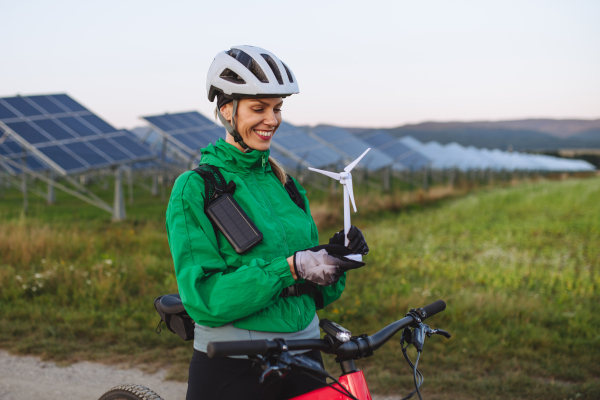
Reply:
x=276, y=166
x=278, y=170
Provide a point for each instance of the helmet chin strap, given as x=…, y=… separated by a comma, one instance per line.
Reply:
x=231, y=127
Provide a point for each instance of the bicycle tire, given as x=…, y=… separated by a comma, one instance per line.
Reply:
x=130, y=392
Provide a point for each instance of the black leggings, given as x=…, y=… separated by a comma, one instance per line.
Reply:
x=234, y=378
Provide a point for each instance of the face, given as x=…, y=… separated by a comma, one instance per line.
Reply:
x=256, y=120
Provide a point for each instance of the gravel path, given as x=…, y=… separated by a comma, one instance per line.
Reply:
x=30, y=378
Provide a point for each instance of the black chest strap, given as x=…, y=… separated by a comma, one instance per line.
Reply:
x=294, y=193
x=218, y=186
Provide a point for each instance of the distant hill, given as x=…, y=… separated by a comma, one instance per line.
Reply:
x=530, y=134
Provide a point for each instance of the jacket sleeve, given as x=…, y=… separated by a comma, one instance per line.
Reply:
x=213, y=293
x=329, y=294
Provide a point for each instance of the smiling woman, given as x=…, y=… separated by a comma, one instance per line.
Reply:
x=257, y=121
x=272, y=288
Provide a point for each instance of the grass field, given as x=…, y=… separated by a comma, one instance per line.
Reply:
x=519, y=268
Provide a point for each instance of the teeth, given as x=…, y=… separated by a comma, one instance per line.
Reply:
x=264, y=133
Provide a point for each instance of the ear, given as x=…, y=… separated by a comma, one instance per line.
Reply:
x=226, y=111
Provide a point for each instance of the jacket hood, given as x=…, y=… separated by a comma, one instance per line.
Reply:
x=227, y=156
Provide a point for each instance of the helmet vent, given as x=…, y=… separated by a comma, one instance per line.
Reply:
x=274, y=67
x=247, y=61
x=231, y=76
x=289, y=74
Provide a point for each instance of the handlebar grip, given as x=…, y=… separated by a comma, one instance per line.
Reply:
x=434, y=308
x=238, y=348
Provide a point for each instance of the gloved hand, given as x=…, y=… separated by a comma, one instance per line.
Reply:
x=356, y=240
x=325, y=264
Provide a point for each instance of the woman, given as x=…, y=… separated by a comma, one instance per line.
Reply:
x=247, y=296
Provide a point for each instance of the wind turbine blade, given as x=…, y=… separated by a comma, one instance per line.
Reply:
x=348, y=184
x=329, y=174
x=353, y=163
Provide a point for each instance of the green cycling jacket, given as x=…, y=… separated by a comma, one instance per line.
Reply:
x=219, y=286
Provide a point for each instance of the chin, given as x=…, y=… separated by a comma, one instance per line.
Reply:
x=262, y=146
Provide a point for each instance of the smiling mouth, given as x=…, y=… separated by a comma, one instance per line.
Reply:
x=265, y=135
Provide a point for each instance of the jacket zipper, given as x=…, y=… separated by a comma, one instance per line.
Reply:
x=287, y=250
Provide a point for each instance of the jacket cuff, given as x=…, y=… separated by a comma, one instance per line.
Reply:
x=281, y=268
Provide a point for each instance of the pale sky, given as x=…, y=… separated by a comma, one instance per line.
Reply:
x=358, y=63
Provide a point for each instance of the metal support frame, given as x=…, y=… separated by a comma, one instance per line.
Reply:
x=387, y=176
x=130, y=183
x=104, y=180
x=119, y=203
x=51, y=197
x=95, y=201
x=154, y=190
x=31, y=189
x=24, y=180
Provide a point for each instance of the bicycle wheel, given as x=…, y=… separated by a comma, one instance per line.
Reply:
x=130, y=392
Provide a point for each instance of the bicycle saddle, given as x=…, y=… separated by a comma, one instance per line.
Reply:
x=171, y=304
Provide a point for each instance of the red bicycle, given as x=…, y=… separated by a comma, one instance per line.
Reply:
x=274, y=357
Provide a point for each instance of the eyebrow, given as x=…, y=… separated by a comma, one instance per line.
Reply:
x=267, y=104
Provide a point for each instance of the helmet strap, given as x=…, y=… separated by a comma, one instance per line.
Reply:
x=231, y=127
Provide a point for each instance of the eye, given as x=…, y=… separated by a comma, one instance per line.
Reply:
x=258, y=109
x=278, y=110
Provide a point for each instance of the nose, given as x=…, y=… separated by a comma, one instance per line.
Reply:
x=271, y=119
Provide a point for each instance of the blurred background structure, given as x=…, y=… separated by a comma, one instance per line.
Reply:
x=52, y=137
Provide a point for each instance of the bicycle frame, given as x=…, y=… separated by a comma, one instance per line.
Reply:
x=354, y=382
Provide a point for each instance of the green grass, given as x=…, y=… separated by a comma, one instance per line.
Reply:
x=519, y=268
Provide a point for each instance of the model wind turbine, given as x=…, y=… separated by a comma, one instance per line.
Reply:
x=345, y=179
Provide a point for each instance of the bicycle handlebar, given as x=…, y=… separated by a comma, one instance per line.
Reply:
x=357, y=347
x=434, y=308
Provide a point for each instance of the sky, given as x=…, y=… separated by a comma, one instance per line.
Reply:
x=358, y=63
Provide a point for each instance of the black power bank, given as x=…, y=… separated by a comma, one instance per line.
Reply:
x=233, y=222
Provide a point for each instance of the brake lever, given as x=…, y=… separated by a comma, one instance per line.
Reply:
x=278, y=370
x=442, y=332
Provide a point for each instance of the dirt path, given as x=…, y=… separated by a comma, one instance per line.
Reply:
x=30, y=378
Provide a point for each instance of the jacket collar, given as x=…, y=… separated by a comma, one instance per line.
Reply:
x=228, y=157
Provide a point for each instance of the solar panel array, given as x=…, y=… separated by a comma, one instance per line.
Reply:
x=353, y=147
x=11, y=150
x=322, y=147
x=453, y=155
x=303, y=148
x=64, y=134
x=187, y=131
x=397, y=150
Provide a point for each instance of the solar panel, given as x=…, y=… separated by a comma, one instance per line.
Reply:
x=398, y=151
x=62, y=133
x=353, y=147
x=284, y=160
x=189, y=132
x=11, y=150
x=303, y=148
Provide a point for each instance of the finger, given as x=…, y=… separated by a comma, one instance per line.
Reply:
x=338, y=238
x=356, y=243
x=352, y=232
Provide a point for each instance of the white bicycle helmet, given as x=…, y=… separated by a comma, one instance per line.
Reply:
x=248, y=71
